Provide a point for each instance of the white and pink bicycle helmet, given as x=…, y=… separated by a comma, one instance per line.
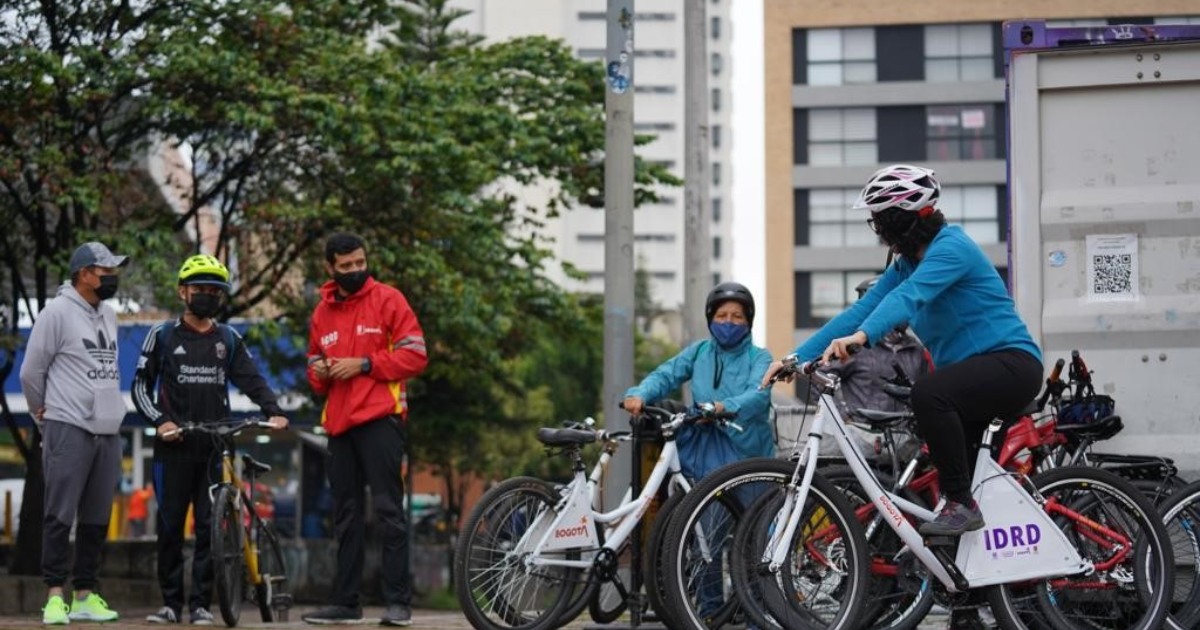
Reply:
x=909, y=188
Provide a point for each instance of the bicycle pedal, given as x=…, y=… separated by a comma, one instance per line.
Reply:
x=281, y=600
x=942, y=541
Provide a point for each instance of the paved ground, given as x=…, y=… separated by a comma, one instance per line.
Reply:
x=422, y=620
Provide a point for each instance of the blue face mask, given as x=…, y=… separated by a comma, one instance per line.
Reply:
x=728, y=334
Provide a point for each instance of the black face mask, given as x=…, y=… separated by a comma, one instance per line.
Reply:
x=108, y=287
x=352, y=281
x=205, y=305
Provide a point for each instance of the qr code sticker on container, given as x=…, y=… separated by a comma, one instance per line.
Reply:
x=1114, y=273
x=1112, y=266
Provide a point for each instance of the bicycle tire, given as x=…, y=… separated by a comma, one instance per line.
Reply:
x=730, y=491
x=494, y=587
x=1181, y=515
x=812, y=573
x=270, y=593
x=652, y=574
x=229, y=565
x=1135, y=596
x=890, y=606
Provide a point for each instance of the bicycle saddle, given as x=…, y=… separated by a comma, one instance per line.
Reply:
x=253, y=464
x=565, y=437
x=880, y=420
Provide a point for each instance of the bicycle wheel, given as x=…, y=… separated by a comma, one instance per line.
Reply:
x=652, y=573
x=229, y=565
x=495, y=587
x=701, y=552
x=896, y=601
x=825, y=580
x=271, y=592
x=1182, y=518
x=1130, y=586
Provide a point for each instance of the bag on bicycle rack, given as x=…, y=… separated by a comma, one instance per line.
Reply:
x=1085, y=410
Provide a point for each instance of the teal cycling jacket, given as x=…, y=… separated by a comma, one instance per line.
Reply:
x=954, y=300
x=730, y=377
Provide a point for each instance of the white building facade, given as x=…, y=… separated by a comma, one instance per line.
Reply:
x=658, y=110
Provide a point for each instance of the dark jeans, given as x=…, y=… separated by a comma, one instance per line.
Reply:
x=178, y=484
x=371, y=455
x=81, y=471
x=954, y=405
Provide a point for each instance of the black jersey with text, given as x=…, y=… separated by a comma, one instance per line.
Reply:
x=183, y=375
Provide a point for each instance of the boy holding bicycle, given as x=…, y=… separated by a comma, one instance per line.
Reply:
x=183, y=376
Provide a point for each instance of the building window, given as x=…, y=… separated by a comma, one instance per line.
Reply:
x=653, y=126
x=667, y=164
x=716, y=99
x=590, y=238
x=716, y=248
x=960, y=132
x=959, y=52
x=1077, y=23
x=641, y=17
x=832, y=221
x=1178, y=20
x=716, y=26
x=842, y=137
x=715, y=132
x=600, y=53
x=838, y=56
x=832, y=291
x=716, y=209
x=654, y=238
x=716, y=279
x=654, y=89
x=716, y=173
x=662, y=275
x=975, y=208
x=716, y=64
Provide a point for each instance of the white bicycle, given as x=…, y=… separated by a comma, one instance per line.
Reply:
x=1071, y=549
x=528, y=547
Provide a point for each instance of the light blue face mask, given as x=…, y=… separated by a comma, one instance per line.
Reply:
x=728, y=334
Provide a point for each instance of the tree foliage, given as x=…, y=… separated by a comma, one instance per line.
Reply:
x=286, y=122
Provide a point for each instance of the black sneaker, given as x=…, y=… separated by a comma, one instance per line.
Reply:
x=955, y=519
x=166, y=614
x=397, y=615
x=334, y=615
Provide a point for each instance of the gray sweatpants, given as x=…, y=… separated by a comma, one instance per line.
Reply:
x=82, y=471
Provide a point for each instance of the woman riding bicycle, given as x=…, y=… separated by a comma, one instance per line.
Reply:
x=943, y=285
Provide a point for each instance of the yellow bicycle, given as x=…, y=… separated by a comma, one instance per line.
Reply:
x=245, y=548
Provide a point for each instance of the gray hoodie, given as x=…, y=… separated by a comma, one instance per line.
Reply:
x=70, y=365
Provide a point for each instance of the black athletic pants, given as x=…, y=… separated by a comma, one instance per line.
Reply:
x=179, y=483
x=954, y=405
x=371, y=455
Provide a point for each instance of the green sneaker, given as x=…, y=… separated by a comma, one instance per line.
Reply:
x=93, y=608
x=55, y=612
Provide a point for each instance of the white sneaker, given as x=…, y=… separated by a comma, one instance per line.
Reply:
x=201, y=617
x=164, y=615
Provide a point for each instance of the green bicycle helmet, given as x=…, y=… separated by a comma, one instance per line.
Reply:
x=204, y=269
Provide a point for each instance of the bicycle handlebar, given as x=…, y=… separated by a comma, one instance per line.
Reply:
x=221, y=428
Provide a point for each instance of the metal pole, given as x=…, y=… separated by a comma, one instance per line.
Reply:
x=618, y=244
x=697, y=244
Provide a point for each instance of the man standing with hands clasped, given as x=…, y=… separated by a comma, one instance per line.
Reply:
x=71, y=382
x=364, y=342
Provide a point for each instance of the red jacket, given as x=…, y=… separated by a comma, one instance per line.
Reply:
x=377, y=323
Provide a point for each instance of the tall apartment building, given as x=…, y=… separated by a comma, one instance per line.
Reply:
x=658, y=110
x=851, y=86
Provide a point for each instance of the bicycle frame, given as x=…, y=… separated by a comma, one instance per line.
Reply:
x=572, y=524
x=1006, y=506
x=229, y=477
